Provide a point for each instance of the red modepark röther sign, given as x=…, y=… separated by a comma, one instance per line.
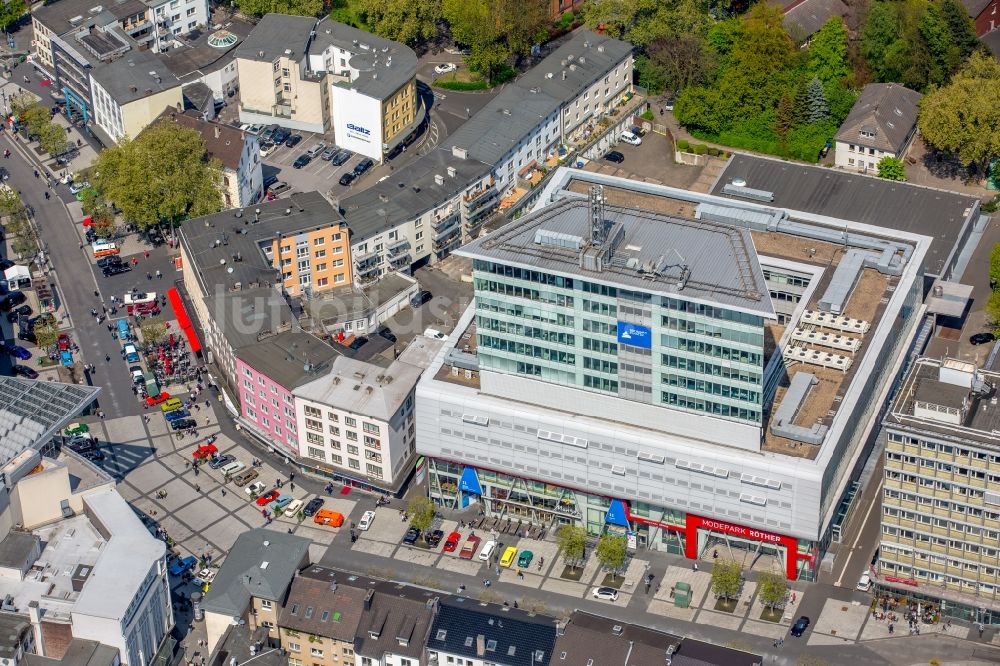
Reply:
x=740, y=530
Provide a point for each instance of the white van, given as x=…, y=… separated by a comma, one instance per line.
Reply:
x=232, y=468
x=487, y=550
x=366, y=520
x=865, y=583
x=630, y=138
x=104, y=249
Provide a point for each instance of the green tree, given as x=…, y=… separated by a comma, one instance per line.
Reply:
x=644, y=21
x=294, y=7
x=153, y=330
x=784, y=118
x=993, y=311
x=52, y=138
x=944, y=54
x=10, y=202
x=407, y=21
x=828, y=52
x=495, y=30
x=727, y=579
x=11, y=12
x=421, y=511
x=961, y=27
x=46, y=333
x=819, y=110
x=881, y=30
x=163, y=175
x=611, y=552
x=964, y=117
x=102, y=218
x=995, y=266
x=572, y=542
x=891, y=168
x=681, y=60
x=771, y=589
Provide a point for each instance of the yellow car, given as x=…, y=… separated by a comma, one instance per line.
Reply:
x=171, y=405
x=508, y=556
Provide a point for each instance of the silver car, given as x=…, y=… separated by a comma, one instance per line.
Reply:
x=329, y=153
x=316, y=150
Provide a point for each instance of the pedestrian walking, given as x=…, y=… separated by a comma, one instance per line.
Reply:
x=223, y=492
x=149, y=276
x=107, y=358
x=159, y=275
x=197, y=487
x=695, y=566
x=146, y=254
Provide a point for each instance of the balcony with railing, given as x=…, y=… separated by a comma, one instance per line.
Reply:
x=445, y=219
x=399, y=260
x=449, y=241
x=366, y=257
x=368, y=270
x=398, y=246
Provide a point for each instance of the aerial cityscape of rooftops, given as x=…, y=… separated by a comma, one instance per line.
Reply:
x=490, y=333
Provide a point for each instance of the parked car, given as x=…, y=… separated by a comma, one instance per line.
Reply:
x=255, y=488
x=347, y=178
x=605, y=593
x=282, y=501
x=434, y=538
x=221, y=461
x=508, y=556
x=137, y=375
x=17, y=351
x=363, y=166
x=487, y=552
x=293, y=507
x=268, y=497
x=269, y=181
x=266, y=148
x=800, y=626
x=182, y=565
x=341, y=157
x=524, y=559
x=630, y=138
x=367, y=518
x=411, y=536
x=268, y=132
x=77, y=187
x=12, y=300
x=358, y=342
x=329, y=153
x=17, y=313
x=451, y=543
x=314, y=505
x=469, y=547
x=615, y=156
x=279, y=187
x=420, y=298
x=386, y=332
x=982, y=338
x=131, y=353
x=183, y=424
x=93, y=456
x=293, y=140
x=110, y=260
x=396, y=151
x=301, y=161
x=140, y=297
x=282, y=135
x=434, y=334
x=865, y=582
x=315, y=149
x=166, y=403
x=115, y=269
x=63, y=342
x=445, y=67
x=24, y=371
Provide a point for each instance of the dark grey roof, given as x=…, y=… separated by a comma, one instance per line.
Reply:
x=242, y=643
x=56, y=16
x=283, y=358
x=225, y=247
x=492, y=633
x=275, y=35
x=134, y=76
x=250, y=314
x=409, y=192
x=260, y=564
x=198, y=96
x=503, y=123
x=600, y=641
x=79, y=652
x=398, y=621
x=584, y=59
x=802, y=19
x=32, y=411
x=887, y=109
x=976, y=7
x=196, y=57
x=316, y=604
x=717, y=263
x=16, y=548
x=699, y=653
x=13, y=627
x=848, y=196
x=992, y=42
x=383, y=67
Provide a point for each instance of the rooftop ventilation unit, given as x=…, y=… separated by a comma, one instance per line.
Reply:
x=736, y=189
x=558, y=239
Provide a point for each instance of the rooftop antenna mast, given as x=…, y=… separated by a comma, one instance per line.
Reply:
x=598, y=221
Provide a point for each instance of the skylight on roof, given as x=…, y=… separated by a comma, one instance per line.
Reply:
x=441, y=634
x=263, y=565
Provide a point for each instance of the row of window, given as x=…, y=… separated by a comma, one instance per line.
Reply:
x=524, y=349
x=713, y=388
x=513, y=291
x=708, y=349
x=710, y=407
x=738, y=374
x=721, y=332
x=950, y=505
x=490, y=324
x=946, y=449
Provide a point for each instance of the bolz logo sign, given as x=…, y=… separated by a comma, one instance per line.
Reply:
x=360, y=130
x=635, y=335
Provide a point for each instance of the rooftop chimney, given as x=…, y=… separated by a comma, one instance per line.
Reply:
x=480, y=645
x=368, y=599
x=216, y=128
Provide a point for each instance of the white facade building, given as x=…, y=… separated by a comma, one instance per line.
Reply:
x=357, y=124
x=175, y=18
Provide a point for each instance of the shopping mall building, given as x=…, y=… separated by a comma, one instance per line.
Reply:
x=694, y=372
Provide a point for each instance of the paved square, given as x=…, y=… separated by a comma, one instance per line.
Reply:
x=766, y=629
x=668, y=609
x=467, y=567
x=150, y=476
x=125, y=429
x=425, y=558
x=202, y=515
x=842, y=619
x=324, y=535
x=374, y=547
x=387, y=526
x=725, y=620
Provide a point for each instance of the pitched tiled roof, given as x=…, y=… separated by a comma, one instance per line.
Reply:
x=222, y=142
x=397, y=621
x=976, y=7
x=887, y=110
x=803, y=19
x=318, y=605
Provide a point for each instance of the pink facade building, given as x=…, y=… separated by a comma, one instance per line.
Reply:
x=267, y=372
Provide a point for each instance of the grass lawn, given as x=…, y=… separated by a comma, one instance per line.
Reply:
x=348, y=11
x=461, y=79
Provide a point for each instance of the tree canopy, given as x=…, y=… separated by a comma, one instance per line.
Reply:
x=406, y=21
x=771, y=588
x=11, y=12
x=611, y=552
x=421, y=510
x=294, y=7
x=963, y=117
x=572, y=541
x=727, y=579
x=495, y=30
x=891, y=168
x=164, y=175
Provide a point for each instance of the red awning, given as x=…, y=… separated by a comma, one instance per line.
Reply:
x=183, y=321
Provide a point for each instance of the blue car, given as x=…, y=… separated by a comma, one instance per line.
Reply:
x=177, y=414
x=282, y=501
x=131, y=353
x=17, y=350
x=182, y=565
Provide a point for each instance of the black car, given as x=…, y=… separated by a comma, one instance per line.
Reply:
x=411, y=536
x=81, y=444
x=90, y=234
x=800, y=626
x=386, y=332
x=434, y=538
x=301, y=161
x=982, y=338
x=5, y=264
x=183, y=424
x=395, y=152
x=340, y=157
x=269, y=181
x=268, y=133
x=115, y=269
x=17, y=313
x=358, y=342
x=110, y=260
x=420, y=298
x=94, y=455
x=347, y=178
x=12, y=300
x=363, y=166
x=281, y=135
x=293, y=140
x=615, y=156
x=314, y=505
x=24, y=371
x=221, y=461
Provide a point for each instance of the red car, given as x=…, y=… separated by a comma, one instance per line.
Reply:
x=452, y=542
x=154, y=400
x=150, y=308
x=267, y=497
x=64, y=342
x=205, y=451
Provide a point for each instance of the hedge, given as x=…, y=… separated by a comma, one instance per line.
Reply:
x=683, y=145
x=700, y=149
x=461, y=85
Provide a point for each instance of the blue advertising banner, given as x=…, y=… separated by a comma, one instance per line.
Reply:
x=635, y=335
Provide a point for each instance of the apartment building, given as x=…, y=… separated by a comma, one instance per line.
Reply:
x=322, y=75
x=238, y=154
x=319, y=618
x=940, y=512
x=356, y=423
x=130, y=93
x=881, y=124
x=268, y=371
x=419, y=215
x=617, y=303
x=474, y=636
